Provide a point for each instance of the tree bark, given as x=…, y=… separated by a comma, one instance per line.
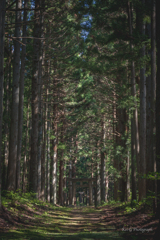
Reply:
x=98, y=195
x=25, y=163
x=47, y=142
x=75, y=144
x=2, y=21
x=21, y=97
x=153, y=91
x=123, y=158
x=115, y=163
x=6, y=114
x=61, y=167
x=149, y=125
x=158, y=107
x=103, y=187
x=70, y=182
x=39, y=127
x=48, y=161
x=11, y=181
x=54, y=179
x=43, y=171
x=134, y=120
x=142, y=181
x=35, y=75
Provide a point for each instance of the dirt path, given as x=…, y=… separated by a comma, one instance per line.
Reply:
x=60, y=223
x=74, y=224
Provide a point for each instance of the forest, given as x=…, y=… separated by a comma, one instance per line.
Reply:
x=80, y=104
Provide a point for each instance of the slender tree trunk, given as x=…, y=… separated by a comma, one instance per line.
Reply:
x=7, y=119
x=98, y=195
x=48, y=160
x=43, y=172
x=128, y=178
x=115, y=142
x=149, y=125
x=43, y=116
x=158, y=107
x=2, y=21
x=55, y=166
x=25, y=163
x=54, y=149
x=64, y=187
x=102, y=160
x=133, y=162
x=123, y=159
x=21, y=98
x=142, y=181
x=51, y=165
x=134, y=120
x=153, y=91
x=70, y=182
x=39, y=127
x=61, y=171
x=11, y=182
x=157, y=233
x=74, y=171
x=61, y=167
x=34, y=136
x=46, y=146
x=106, y=186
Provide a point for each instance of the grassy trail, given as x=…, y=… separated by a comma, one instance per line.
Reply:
x=24, y=217
x=56, y=223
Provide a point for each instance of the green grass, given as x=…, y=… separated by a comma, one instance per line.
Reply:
x=41, y=220
x=36, y=235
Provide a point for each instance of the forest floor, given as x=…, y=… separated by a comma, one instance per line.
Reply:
x=22, y=219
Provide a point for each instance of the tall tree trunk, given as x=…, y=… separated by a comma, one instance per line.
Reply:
x=53, y=168
x=43, y=171
x=61, y=169
x=53, y=189
x=39, y=127
x=128, y=178
x=34, y=136
x=46, y=146
x=75, y=145
x=133, y=162
x=158, y=106
x=21, y=97
x=98, y=190
x=157, y=233
x=134, y=120
x=2, y=21
x=43, y=141
x=142, y=181
x=115, y=141
x=118, y=157
x=149, y=124
x=7, y=119
x=48, y=154
x=102, y=160
x=25, y=163
x=55, y=143
x=123, y=159
x=70, y=182
x=153, y=91
x=11, y=181
x=64, y=186
x=55, y=165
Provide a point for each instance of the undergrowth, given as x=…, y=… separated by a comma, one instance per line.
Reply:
x=35, y=219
